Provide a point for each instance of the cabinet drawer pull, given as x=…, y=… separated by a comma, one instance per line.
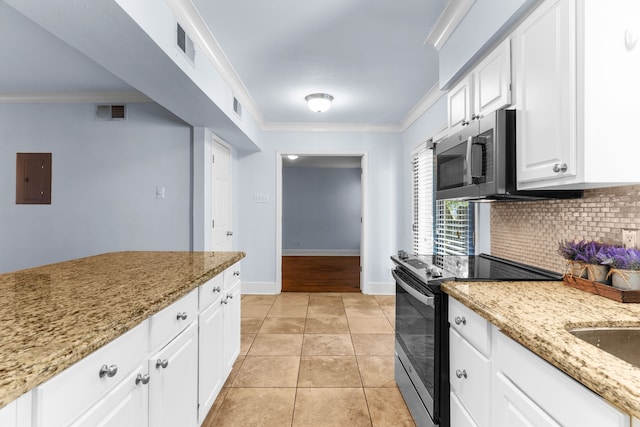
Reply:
x=217, y=289
x=560, y=168
x=108, y=371
x=236, y=273
x=460, y=320
x=162, y=363
x=461, y=373
x=475, y=116
x=230, y=296
x=144, y=379
x=182, y=316
x=465, y=122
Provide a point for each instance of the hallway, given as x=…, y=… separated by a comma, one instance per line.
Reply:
x=313, y=359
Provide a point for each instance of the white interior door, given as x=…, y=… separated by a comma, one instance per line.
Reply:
x=221, y=198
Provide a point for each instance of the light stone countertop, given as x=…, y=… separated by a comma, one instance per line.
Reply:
x=538, y=315
x=55, y=315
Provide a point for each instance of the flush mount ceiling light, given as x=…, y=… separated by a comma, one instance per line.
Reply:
x=319, y=102
x=292, y=157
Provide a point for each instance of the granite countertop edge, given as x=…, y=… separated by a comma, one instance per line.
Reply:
x=614, y=379
x=28, y=376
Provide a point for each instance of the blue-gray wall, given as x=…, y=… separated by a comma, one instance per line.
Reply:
x=105, y=175
x=321, y=209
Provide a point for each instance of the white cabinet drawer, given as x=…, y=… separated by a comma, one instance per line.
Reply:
x=565, y=400
x=471, y=326
x=232, y=275
x=210, y=291
x=168, y=323
x=124, y=406
x=512, y=408
x=470, y=376
x=67, y=395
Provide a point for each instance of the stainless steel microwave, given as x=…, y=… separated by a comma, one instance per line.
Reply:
x=479, y=163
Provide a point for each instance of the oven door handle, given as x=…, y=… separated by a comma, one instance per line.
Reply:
x=430, y=301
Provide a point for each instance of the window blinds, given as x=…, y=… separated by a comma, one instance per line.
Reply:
x=422, y=228
x=454, y=228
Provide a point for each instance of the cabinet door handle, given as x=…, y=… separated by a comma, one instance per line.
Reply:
x=475, y=116
x=217, y=289
x=465, y=122
x=230, y=296
x=229, y=233
x=108, y=371
x=224, y=301
x=560, y=167
x=461, y=373
x=460, y=320
x=162, y=363
x=182, y=316
x=144, y=379
x=236, y=273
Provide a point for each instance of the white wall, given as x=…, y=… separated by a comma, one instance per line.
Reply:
x=257, y=221
x=105, y=176
x=321, y=209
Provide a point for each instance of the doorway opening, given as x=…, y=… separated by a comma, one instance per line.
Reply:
x=321, y=222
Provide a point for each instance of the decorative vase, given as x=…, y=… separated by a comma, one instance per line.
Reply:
x=598, y=273
x=625, y=279
x=577, y=269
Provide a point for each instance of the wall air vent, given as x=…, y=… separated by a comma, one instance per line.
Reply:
x=185, y=44
x=237, y=107
x=111, y=112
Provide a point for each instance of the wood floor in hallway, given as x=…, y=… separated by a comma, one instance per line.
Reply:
x=316, y=360
x=321, y=274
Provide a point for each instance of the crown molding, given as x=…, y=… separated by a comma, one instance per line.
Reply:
x=73, y=97
x=330, y=127
x=448, y=21
x=196, y=27
x=422, y=106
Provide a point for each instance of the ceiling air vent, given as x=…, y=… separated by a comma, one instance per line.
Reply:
x=237, y=108
x=111, y=112
x=185, y=44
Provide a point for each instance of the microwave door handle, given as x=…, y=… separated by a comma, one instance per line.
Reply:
x=467, y=162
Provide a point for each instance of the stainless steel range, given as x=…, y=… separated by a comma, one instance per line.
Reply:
x=422, y=328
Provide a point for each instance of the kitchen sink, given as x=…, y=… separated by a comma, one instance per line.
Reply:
x=622, y=342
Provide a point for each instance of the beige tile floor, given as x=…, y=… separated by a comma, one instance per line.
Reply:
x=316, y=360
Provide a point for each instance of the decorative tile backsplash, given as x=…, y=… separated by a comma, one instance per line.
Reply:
x=529, y=232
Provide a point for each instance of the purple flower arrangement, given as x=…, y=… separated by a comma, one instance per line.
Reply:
x=590, y=252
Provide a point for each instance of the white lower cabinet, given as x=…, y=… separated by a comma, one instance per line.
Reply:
x=513, y=408
x=193, y=344
x=544, y=392
x=231, y=341
x=127, y=405
x=173, y=384
x=210, y=357
x=496, y=382
x=18, y=412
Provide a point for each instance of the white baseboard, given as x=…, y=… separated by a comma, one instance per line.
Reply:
x=380, y=289
x=320, y=252
x=259, y=288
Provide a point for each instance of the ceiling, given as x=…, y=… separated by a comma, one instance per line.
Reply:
x=369, y=54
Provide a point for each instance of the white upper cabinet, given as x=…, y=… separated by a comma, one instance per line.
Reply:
x=577, y=92
x=485, y=89
x=459, y=105
x=544, y=63
x=492, y=81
